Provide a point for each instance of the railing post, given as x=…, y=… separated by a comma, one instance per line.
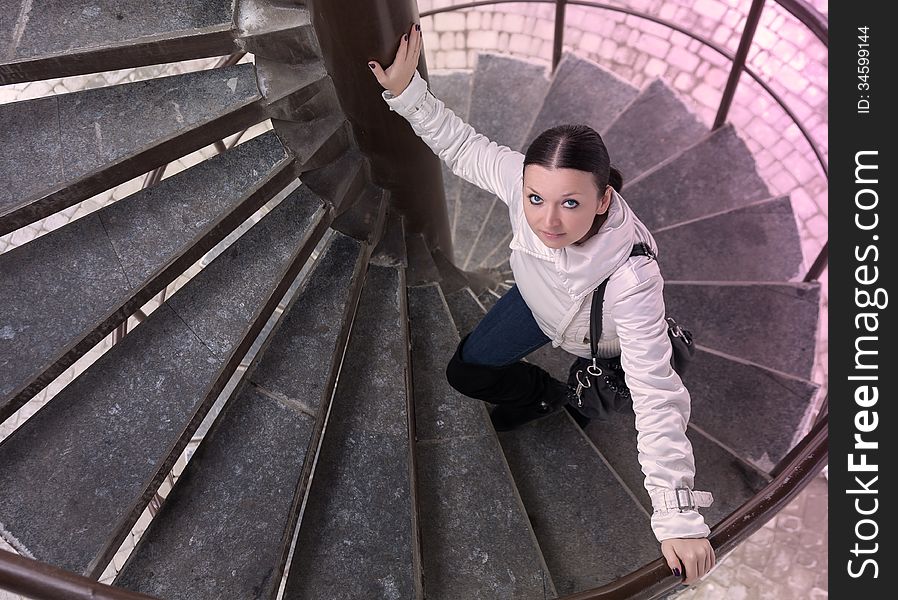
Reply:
x=351, y=33
x=558, y=38
x=819, y=264
x=748, y=35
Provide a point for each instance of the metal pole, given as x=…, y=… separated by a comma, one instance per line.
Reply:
x=558, y=39
x=352, y=32
x=819, y=264
x=748, y=35
x=43, y=581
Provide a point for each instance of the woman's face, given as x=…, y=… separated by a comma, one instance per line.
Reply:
x=561, y=201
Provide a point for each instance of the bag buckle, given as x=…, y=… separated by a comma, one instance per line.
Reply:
x=677, y=331
x=689, y=499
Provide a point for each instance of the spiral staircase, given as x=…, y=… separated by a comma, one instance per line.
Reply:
x=337, y=462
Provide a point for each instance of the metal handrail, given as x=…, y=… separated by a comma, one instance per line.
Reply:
x=36, y=579
x=801, y=465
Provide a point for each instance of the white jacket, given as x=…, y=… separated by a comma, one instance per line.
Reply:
x=557, y=286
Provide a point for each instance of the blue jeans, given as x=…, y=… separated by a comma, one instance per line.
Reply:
x=506, y=334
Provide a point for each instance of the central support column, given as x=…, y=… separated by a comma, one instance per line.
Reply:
x=352, y=32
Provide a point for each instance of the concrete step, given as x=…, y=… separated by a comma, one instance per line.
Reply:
x=340, y=182
x=715, y=174
x=60, y=150
x=499, y=255
x=454, y=89
x=755, y=411
x=90, y=459
x=772, y=324
x=655, y=126
x=69, y=288
x=502, y=117
x=477, y=541
x=758, y=242
x=364, y=219
x=731, y=480
x=590, y=529
x=466, y=310
x=245, y=484
x=495, y=229
x=63, y=39
x=582, y=92
x=358, y=537
x=390, y=250
x=421, y=268
x=488, y=298
x=473, y=209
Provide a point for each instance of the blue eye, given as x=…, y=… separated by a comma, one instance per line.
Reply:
x=532, y=196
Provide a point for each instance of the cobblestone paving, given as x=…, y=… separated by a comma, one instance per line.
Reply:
x=787, y=558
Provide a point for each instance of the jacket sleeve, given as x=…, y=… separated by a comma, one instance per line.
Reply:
x=662, y=407
x=470, y=155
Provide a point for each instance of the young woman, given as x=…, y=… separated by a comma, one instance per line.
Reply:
x=571, y=230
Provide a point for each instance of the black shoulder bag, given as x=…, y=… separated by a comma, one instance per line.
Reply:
x=599, y=382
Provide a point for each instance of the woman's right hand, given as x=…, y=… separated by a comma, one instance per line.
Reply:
x=398, y=75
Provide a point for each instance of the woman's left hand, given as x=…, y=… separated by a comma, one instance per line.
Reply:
x=692, y=557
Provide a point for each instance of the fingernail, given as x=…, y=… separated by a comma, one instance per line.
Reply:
x=371, y=65
x=417, y=27
x=405, y=37
x=676, y=572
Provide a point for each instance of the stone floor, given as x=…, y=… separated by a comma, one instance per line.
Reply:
x=787, y=558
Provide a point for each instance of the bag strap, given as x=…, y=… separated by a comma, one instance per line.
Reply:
x=598, y=299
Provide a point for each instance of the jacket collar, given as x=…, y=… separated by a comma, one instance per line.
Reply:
x=582, y=268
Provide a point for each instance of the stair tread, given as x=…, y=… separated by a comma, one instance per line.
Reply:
x=454, y=89
x=421, y=268
x=67, y=138
x=568, y=490
x=729, y=479
x=361, y=218
x=654, y=126
x=93, y=26
x=494, y=113
x=724, y=391
x=715, y=174
x=476, y=540
x=577, y=79
x=452, y=278
x=466, y=310
x=238, y=489
x=341, y=182
x=145, y=389
x=390, y=250
x=758, y=242
x=474, y=207
x=106, y=257
x=356, y=532
x=726, y=318
x=494, y=230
